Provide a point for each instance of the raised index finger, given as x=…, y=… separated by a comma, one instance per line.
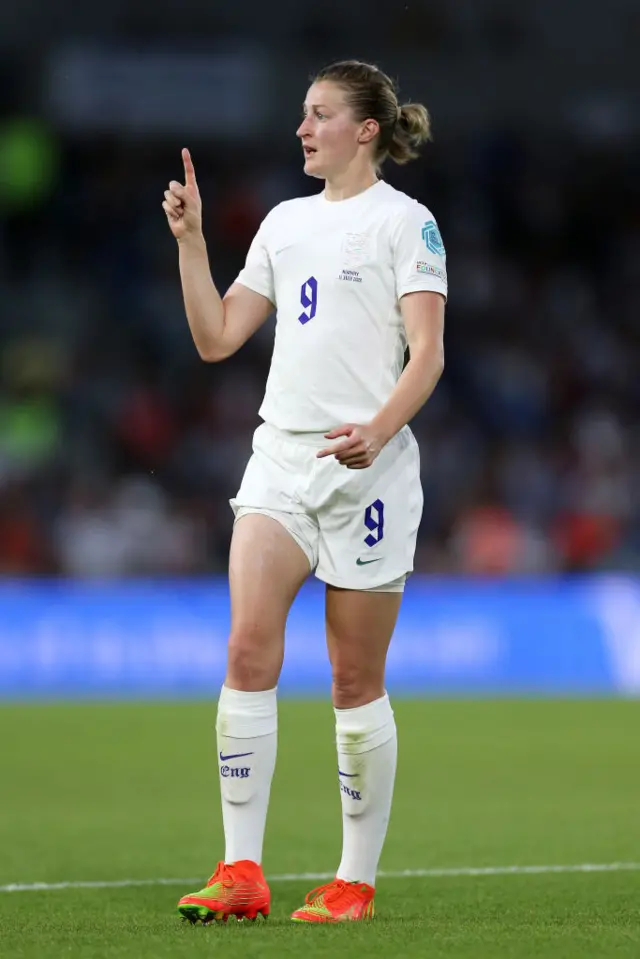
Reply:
x=189, y=171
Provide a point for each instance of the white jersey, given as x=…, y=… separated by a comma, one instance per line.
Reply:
x=336, y=271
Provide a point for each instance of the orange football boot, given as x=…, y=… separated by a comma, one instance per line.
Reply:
x=337, y=901
x=235, y=889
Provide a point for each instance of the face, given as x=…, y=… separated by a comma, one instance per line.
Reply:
x=330, y=135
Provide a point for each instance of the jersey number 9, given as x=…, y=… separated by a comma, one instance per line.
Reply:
x=374, y=520
x=309, y=299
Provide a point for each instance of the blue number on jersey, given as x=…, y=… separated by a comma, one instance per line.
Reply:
x=309, y=299
x=374, y=520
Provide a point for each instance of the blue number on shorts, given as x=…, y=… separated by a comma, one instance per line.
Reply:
x=309, y=299
x=374, y=520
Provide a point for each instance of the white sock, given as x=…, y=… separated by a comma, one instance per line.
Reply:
x=367, y=754
x=247, y=733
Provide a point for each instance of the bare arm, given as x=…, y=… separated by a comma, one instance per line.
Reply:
x=219, y=326
x=423, y=315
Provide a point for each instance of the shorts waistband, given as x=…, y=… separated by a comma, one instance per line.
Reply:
x=317, y=439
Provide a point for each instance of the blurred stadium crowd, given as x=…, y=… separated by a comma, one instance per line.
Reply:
x=119, y=448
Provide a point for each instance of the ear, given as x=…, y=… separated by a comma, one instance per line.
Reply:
x=370, y=130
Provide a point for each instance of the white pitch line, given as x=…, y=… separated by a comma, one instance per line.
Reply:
x=585, y=867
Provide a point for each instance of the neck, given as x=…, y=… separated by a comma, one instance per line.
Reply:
x=342, y=186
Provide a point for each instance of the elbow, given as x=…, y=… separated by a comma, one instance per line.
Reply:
x=436, y=361
x=433, y=366
x=212, y=354
x=430, y=361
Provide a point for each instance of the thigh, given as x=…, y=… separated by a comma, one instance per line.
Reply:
x=370, y=518
x=359, y=629
x=266, y=570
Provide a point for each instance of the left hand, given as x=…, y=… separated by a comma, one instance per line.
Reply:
x=359, y=448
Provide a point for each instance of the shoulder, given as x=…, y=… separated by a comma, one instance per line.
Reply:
x=403, y=208
x=288, y=211
x=411, y=221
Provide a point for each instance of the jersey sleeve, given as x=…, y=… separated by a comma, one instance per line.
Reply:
x=419, y=257
x=257, y=272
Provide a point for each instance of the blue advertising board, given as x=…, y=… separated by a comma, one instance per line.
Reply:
x=167, y=639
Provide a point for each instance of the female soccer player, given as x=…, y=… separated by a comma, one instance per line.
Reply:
x=356, y=273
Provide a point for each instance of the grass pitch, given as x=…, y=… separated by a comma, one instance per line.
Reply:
x=117, y=792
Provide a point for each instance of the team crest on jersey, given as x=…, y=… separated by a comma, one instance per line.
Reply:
x=432, y=238
x=356, y=248
x=423, y=267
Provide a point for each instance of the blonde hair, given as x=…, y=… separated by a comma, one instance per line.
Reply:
x=371, y=94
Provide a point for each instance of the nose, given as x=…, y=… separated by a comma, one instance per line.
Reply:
x=303, y=129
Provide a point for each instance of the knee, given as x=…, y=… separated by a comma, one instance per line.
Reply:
x=254, y=659
x=355, y=686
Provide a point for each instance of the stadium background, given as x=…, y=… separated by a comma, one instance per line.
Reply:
x=515, y=669
x=119, y=449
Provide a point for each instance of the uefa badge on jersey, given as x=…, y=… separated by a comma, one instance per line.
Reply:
x=432, y=238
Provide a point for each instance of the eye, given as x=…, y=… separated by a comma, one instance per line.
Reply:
x=321, y=116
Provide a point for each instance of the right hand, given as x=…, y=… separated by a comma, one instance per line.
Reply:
x=182, y=204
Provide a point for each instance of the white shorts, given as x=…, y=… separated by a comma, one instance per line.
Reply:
x=357, y=527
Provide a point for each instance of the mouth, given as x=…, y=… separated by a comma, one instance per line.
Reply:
x=308, y=151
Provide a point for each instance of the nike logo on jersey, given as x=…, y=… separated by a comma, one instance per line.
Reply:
x=349, y=775
x=225, y=759
x=283, y=249
x=365, y=562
